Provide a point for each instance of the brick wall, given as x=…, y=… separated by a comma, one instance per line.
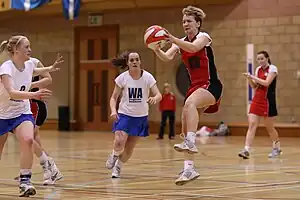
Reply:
x=271, y=25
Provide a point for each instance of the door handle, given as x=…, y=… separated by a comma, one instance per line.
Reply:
x=96, y=90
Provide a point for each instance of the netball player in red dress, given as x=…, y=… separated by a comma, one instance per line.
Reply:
x=263, y=104
x=205, y=89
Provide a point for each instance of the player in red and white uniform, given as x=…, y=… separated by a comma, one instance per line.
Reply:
x=263, y=104
x=205, y=89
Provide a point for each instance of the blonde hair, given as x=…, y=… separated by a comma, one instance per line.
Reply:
x=7, y=47
x=196, y=12
x=167, y=85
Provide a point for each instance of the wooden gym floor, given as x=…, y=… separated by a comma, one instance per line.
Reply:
x=151, y=172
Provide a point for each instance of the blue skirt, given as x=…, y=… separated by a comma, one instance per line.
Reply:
x=8, y=125
x=133, y=126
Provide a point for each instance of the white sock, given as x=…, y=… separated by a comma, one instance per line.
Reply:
x=117, y=153
x=276, y=144
x=25, y=171
x=191, y=137
x=247, y=148
x=43, y=158
x=188, y=164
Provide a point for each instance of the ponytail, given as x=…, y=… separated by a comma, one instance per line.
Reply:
x=3, y=46
x=4, y=55
x=121, y=60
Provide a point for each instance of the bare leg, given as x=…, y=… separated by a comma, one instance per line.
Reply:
x=253, y=124
x=269, y=123
x=3, y=139
x=118, y=148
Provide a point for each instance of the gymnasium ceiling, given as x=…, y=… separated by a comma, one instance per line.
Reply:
x=104, y=5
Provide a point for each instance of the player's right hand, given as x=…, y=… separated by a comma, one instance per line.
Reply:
x=114, y=116
x=42, y=94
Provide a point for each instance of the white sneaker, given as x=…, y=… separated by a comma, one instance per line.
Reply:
x=182, y=170
x=47, y=170
x=276, y=152
x=186, y=145
x=55, y=174
x=116, y=172
x=111, y=161
x=187, y=176
x=26, y=189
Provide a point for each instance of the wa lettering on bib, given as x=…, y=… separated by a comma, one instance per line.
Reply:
x=135, y=95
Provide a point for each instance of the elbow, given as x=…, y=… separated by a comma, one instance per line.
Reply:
x=15, y=96
x=12, y=94
x=49, y=80
x=266, y=84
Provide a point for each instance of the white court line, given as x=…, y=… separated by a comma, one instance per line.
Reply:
x=218, y=196
x=88, y=184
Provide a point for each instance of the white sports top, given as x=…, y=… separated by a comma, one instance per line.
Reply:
x=135, y=93
x=21, y=80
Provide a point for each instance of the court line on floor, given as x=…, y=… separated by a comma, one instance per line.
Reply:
x=211, y=195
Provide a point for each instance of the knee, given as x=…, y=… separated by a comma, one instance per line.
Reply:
x=28, y=141
x=252, y=126
x=189, y=105
x=120, y=139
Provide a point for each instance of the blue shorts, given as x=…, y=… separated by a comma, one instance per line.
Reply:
x=133, y=126
x=8, y=125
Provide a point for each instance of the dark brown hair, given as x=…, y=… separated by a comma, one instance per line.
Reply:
x=266, y=55
x=122, y=60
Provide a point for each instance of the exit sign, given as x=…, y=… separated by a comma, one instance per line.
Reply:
x=95, y=20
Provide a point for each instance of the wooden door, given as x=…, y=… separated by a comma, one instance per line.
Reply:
x=96, y=47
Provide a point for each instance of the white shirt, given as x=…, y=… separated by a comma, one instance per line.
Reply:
x=21, y=81
x=35, y=61
x=135, y=93
x=272, y=68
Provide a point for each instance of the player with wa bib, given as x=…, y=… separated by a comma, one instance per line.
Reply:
x=131, y=118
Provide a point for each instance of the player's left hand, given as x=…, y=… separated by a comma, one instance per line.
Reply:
x=247, y=75
x=59, y=60
x=169, y=37
x=152, y=100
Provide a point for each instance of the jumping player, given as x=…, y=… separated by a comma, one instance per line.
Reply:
x=131, y=118
x=205, y=89
x=263, y=104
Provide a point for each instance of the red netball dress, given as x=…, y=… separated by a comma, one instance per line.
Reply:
x=202, y=72
x=264, y=100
